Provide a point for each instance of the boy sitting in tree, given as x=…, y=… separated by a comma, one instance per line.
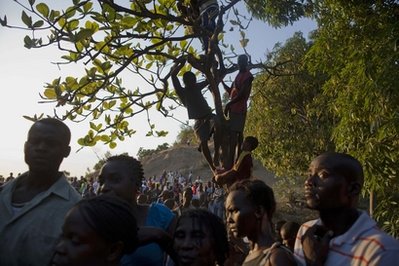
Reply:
x=242, y=168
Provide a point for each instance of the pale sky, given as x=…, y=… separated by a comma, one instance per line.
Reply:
x=24, y=72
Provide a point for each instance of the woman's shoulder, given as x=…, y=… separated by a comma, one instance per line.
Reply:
x=280, y=255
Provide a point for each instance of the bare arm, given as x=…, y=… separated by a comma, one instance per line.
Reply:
x=175, y=80
x=226, y=87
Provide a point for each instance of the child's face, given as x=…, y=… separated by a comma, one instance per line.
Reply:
x=246, y=146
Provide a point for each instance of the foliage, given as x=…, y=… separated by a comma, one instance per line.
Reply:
x=288, y=113
x=113, y=43
x=142, y=153
x=186, y=135
x=279, y=13
x=355, y=45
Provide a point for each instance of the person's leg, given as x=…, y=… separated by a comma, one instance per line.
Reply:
x=207, y=154
x=217, y=140
x=202, y=129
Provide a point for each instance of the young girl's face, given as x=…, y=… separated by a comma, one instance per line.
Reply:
x=193, y=243
x=240, y=214
x=79, y=243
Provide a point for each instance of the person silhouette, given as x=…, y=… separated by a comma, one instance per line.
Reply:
x=33, y=205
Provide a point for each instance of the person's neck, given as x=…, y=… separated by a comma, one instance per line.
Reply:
x=339, y=220
x=261, y=239
x=42, y=180
x=261, y=242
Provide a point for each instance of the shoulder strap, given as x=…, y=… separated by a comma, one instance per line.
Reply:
x=268, y=252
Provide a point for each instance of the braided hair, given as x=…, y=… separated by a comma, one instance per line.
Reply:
x=135, y=166
x=258, y=193
x=111, y=218
x=216, y=228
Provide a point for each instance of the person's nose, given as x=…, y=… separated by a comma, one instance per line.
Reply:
x=60, y=247
x=310, y=181
x=229, y=218
x=187, y=243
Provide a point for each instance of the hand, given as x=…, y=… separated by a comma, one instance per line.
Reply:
x=226, y=109
x=315, y=244
x=180, y=60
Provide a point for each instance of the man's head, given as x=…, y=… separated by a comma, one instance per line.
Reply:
x=189, y=79
x=250, y=143
x=242, y=61
x=47, y=145
x=335, y=181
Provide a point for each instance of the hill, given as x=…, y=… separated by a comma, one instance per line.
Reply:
x=184, y=158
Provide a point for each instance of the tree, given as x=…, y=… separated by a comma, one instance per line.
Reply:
x=142, y=153
x=186, y=135
x=355, y=46
x=288, y=113
x=110, y=41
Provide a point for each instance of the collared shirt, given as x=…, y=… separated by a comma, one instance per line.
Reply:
x=363, y=244
x=28, y=236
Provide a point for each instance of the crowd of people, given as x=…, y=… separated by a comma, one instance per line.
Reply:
x=170, y=220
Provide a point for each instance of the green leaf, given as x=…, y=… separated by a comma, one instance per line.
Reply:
x=83, y=34
x=28, y=43
x=26, y=19
x=87, y=6
x=43, y=9
x=32, y=2
x=38, y=24
x=50, y=93
x=112, y=145
x=3, y=22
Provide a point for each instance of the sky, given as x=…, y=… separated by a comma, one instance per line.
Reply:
x=24, y=72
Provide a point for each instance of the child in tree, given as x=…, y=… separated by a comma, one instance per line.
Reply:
x=242, y=168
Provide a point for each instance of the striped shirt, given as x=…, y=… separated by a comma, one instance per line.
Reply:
x=363, y=244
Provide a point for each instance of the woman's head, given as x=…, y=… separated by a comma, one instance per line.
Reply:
x=97, y=231
x=200, y=239
x=247, y=205
x=121, y=175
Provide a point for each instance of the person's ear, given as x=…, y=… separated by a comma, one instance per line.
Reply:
x=354, y=188
x=259, y=212
x=115, y=251
x=67, y=151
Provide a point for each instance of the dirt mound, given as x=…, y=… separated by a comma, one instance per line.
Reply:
x=186, y=158
x=183, y=158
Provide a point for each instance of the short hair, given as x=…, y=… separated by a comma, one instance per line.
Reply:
x=216, y=228
x=291, y=229
x=64, y=129
x=346, y=165
x=189, y=76
x=243, y=58
x=258, y=193
x=253, y=142
x=112, y=218
x=135, y=166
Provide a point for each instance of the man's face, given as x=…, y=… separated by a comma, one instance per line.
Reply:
x=45, y=148
x=324, y=187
